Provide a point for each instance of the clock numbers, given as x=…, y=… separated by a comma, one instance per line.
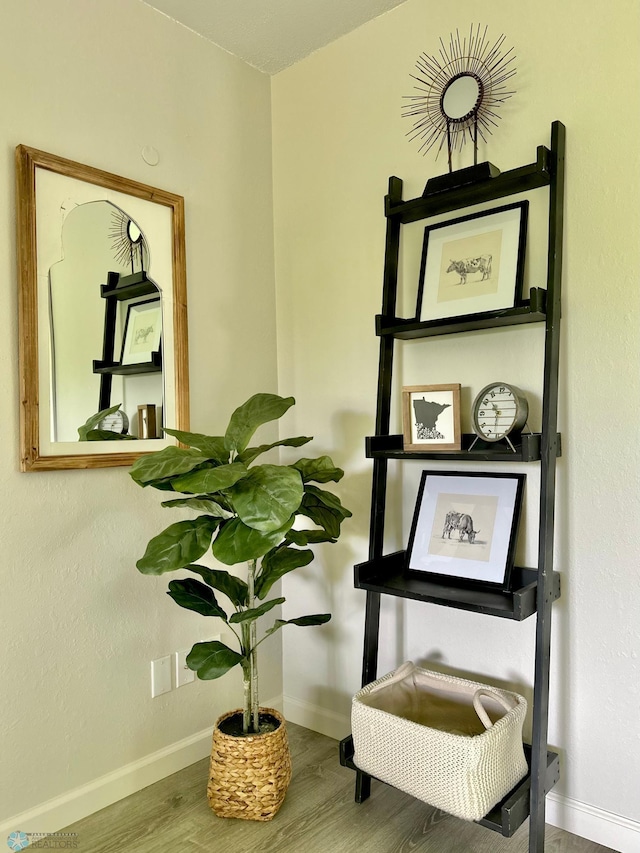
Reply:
x=497, y=411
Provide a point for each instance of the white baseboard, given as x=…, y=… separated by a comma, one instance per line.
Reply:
x=60, y=812
x=615, y=831
x=317, y=719
x=611, y=830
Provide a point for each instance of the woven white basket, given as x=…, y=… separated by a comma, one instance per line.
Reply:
x=453, y=743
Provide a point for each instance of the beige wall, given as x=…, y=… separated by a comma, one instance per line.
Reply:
x=338, y=134
x=96, y=82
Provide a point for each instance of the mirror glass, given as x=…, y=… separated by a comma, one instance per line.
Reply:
x=98, y=239
x=102, y=313
x=461, y=97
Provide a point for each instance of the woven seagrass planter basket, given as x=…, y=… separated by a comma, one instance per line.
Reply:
x=249, y=776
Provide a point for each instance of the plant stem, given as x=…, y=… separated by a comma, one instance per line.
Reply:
x=246, y=680
x=255, y=703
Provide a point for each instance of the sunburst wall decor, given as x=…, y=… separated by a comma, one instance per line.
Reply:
x=459, y=91
x=128, y=242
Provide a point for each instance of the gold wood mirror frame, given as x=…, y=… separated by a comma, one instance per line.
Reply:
x=39, y=240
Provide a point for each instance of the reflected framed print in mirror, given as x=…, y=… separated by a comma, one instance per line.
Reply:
x=91, y=247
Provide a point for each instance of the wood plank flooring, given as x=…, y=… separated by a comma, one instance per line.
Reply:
x=319, y=815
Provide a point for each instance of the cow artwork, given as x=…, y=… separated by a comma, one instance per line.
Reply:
x=471, y=266
x=427, y=413
x=463, y=523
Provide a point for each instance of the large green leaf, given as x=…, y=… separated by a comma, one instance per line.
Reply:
x=328, y=499
x=309, y=537
x=211, y=479
x=321, y=470
x=234, y=588
x=92, y=422
x=212, y=446
x=165, y=463
x=258, y=410
x=317, y=619
x=107, y=435
x=201, y=504
x=193, y=595
x=277, y=563
x=324, y=509
x=178, y=545
x=237, y=543
x=213, y=659
x=247, y=456
x=267, y=496
x=253, y=613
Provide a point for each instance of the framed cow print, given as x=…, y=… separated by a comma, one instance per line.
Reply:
x=473, y=264
x=465, y=526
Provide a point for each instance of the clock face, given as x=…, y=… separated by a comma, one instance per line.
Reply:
x=116, y=422
x=498, y=410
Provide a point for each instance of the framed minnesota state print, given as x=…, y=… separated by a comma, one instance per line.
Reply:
x=465, y=526
x=473, y=264
x=431, y=417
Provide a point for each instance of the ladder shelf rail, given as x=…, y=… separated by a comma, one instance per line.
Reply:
x=536, y=590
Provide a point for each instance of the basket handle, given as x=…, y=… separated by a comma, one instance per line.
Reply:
x=480, y=711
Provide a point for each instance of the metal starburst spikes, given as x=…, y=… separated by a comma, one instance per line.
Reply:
x=459, y=92
x=128, y=242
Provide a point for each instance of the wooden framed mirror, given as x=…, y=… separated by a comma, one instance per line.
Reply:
x=102, y=314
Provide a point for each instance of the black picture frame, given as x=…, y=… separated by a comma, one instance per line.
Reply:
x=142, y=331
x=465, y=527
x=473, y=264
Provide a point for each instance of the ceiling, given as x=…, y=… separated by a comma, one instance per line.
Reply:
x=272, y=34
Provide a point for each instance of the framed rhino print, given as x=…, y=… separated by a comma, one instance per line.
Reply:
x=473, y=264
x=465, y=526
x=431, y=417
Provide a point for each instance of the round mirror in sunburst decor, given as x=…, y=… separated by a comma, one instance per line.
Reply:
x=458, y=92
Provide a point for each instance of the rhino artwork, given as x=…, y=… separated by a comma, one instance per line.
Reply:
x=426, y=414
x=142, y=335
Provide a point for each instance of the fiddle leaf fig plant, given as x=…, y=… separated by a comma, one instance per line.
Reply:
x=90, y=429
x=247, y=512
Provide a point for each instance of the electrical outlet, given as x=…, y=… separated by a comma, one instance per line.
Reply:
x=161, y=676
x=184, y=675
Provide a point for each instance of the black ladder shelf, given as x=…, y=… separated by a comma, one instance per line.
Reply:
x=118, y=289
x=534, y=590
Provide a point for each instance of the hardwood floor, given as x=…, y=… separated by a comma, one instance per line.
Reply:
x=319, y=815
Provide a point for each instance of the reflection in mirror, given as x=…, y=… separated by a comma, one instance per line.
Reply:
x=102, y=315
x=99, y=241
x=462, y=97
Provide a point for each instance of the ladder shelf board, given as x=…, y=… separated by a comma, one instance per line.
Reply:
x=116, y=369
x=129, y=287
x=509, y=814
x=527, y=449
x=531, y=310
x=389, y=575
x=524, y=178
